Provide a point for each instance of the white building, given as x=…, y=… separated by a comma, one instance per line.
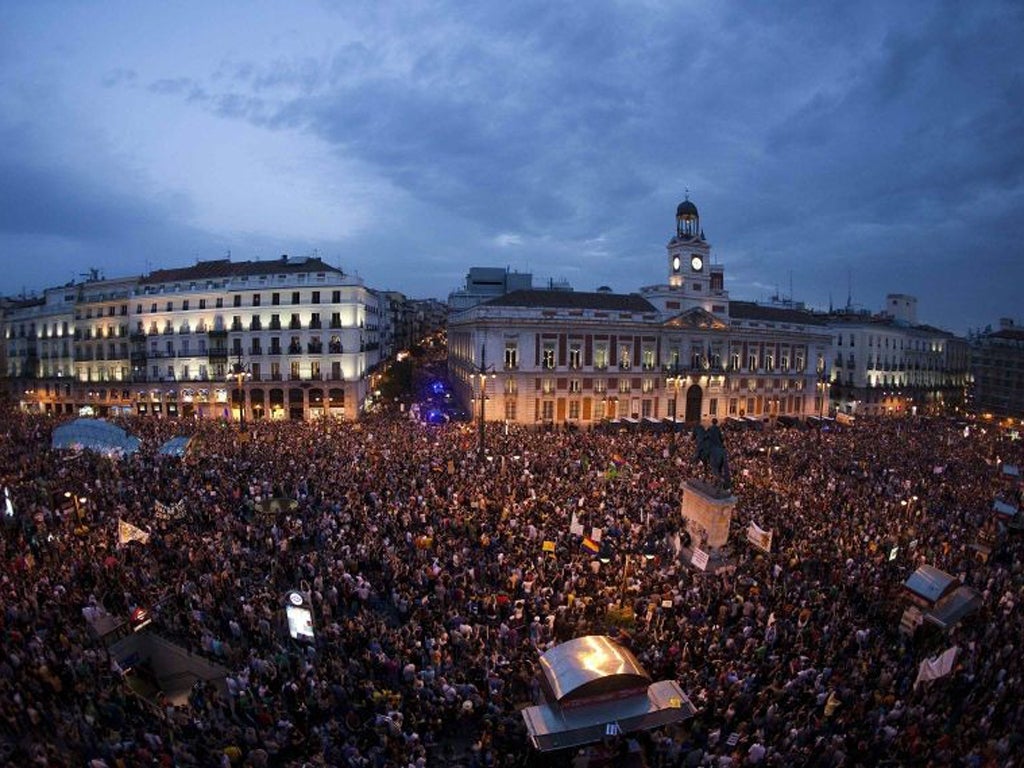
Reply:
x=680, y=350
x=288, y=338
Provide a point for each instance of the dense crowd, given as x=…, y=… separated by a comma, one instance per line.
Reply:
x=433, y=595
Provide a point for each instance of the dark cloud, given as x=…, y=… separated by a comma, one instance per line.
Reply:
x=873, y=143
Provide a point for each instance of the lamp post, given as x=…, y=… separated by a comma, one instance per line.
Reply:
x=78, y=501
x=482, y=370
x=675, y=381
x=240, y=372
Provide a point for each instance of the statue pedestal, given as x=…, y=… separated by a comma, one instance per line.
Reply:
x=707, y=511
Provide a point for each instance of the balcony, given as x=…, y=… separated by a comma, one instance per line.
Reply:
x=315, y=349
x=295, y=325
x=294, y=349
x=255, y=325
x=335, y=349
x=275, y=325
x=257, y=351
x=336, y=323
x=274, y=351
x=315, y=324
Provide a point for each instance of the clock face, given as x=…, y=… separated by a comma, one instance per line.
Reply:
x=675, y=263
x=697, y=263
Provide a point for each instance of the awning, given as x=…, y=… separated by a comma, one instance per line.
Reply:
x=551, y=727
x=928, y=583
x=952, y=609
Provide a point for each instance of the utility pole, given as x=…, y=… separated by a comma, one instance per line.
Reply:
x=482, y=370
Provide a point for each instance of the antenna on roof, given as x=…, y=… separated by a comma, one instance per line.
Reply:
x=849, y=289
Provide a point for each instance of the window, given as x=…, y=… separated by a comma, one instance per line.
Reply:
x=152, y=307
x=314, y=370
x=202, y=303
x=734, y=360
x=624, y=386
x=547, y=386
x=547, y=410
x=294, y=324
x=219, y=302
x=648, y=385
x=336, y=297
x=511, y=386
x=646, y=409
x=624, y=357
x=600, y=356
x=769, y=361
x=600, y=386
x=510, y=410
x=574, y=409
x=315, y=299
x=256, y=324
x=170, y=306
x=713, y=406
x=314, y=320
x=752, y=362
x=575, y=385
x=511, y=355
x=238, y=300
x=295, y=297
x=648, y=358
x=255, y=299
x=184, y=304
x=548, y=355
x=295, y=369
x=275, y=299
x=575, y=355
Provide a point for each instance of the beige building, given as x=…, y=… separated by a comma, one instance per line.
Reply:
x=681, y=351
x=288, y=338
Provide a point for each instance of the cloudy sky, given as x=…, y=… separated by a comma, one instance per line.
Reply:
x=833, y=148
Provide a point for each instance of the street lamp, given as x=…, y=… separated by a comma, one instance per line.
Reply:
x=78, y=501
x=482, y=370
x=240, y=372
x=675, y=380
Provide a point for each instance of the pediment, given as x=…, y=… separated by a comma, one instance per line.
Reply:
x=696, y=319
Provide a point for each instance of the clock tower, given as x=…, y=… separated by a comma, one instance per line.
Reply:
x=689, y=265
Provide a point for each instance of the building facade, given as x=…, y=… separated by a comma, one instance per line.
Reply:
x=889, y=364
x=680, y=351
x=998, y=365
x=288, y=338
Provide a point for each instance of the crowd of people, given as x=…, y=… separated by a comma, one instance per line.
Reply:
x=434, y=596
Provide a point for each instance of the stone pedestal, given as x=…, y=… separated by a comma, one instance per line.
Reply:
x=708, y=513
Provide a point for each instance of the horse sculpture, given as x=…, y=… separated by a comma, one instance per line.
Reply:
x=711, y=452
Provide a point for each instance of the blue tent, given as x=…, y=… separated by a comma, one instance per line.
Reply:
x=176, y=446
x=94, y=435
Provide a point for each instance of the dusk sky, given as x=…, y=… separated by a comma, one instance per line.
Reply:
x=834, y=147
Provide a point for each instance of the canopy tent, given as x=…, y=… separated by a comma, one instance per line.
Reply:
x=594, y=688
x=176, y=446
x=94, y=435
x=943, y=600
x=928, y=584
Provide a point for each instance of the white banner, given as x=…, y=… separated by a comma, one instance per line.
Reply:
x=700, y=559
x=934, y=668
x=759, y=537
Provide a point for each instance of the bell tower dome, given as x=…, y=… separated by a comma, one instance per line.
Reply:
x=688, y=251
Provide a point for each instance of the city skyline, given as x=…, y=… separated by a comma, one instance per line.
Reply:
x=835, y=152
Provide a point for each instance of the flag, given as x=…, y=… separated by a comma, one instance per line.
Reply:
x=589, y=543
x=618, y=461
x=936, y=667
x=759, y=537
x=548, y=546
x=831, y=704
x=127, y=532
